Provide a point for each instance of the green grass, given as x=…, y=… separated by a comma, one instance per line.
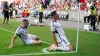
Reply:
x=88, y=42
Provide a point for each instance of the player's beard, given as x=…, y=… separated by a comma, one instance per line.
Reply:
x=25, y=26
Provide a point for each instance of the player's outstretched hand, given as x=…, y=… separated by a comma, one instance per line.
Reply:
x=11, y=46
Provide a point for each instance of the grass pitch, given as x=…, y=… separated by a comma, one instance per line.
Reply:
x=88, y=42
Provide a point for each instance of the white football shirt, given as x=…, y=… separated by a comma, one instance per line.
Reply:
x=22, y=33
x=59, y=33
x=57, y=28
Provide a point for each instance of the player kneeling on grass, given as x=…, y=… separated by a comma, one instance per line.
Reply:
x=22, y=32
x=60, y=40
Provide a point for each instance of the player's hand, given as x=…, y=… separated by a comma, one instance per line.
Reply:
x=52, y=47
x=11, y=46
x=54, y=44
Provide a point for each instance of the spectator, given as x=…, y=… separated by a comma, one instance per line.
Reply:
x=6, y=12
x=93, y=15
x=27, y=12
x=88, y=4
x=83, y=6
x=23, y=14
x=46, y=3
x=41, y=12
x=87, y=16
x=73, y=7
x=60, y=5
x=11, y=10
x=98, y=8
x=2, y=6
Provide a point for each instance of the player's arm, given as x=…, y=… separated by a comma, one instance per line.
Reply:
x=54, y=38
x=53, y=28
x=36, y=25
x=12, y=41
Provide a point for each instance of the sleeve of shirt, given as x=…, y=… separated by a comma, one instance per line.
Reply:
x=18, y=32
x=53, y=27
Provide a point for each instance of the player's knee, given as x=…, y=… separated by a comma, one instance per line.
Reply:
x=39, y=42
x=37, y=38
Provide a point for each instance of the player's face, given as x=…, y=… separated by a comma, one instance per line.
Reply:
x=55, y=16
x=26, y=24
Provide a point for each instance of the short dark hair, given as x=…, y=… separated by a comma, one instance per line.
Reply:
x=25, y=20
x=53, y=13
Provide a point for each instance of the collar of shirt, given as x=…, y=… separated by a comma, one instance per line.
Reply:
x=23, y=27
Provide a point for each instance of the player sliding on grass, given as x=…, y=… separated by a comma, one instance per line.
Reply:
x=22, y=32
x=60, y=40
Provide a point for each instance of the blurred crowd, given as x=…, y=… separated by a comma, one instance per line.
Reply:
x=54, y=4
x=91, y=8
x=63, y=4
x=92, y=14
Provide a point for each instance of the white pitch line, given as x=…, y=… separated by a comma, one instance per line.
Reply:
x=39, y=53
x=34, y=53
x=13, y=32
x=45, y=50
x=6, y=30
x=46, y=42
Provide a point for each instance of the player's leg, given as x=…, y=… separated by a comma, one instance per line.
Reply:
x=34, y=42
x=62, y=48
x=40, y=17
x=84, y=19
x=34, y=39
x=65, y=48
x=4, y=19
x=88, y=20
x=64, y=45
x=7, y=19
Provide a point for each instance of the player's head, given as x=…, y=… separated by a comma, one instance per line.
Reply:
x=54, y=14
x=25, y=22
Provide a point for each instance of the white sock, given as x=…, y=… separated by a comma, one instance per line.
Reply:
x=63, y=48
